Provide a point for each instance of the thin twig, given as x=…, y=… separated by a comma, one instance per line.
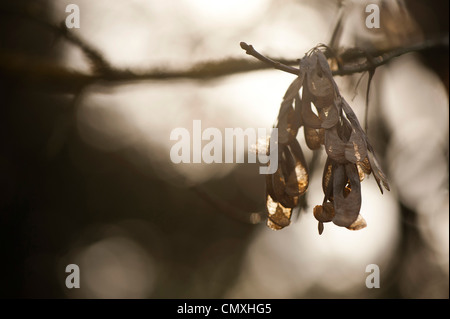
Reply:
x=277, y=65
x=375, y=62
x=99, y=64
x=366, y=115
x=386, y=57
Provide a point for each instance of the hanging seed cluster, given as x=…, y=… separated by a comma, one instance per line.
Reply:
x=331, y=123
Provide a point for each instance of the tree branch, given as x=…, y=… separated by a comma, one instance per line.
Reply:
x=63, y=79
x=277, y=65
x=99, y=64
x=384, y=58
x=370, y=64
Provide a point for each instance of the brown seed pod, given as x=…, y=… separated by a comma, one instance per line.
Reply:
x=358, y=224
x=279, y=216
x=347, y=202
x=299, y=177
x=296, y=121
x=365, y=166
x=327, y=120
x=324, y=213
x=327, y=180
x=329, y=116
x=335, y=146
x=281, y=195
x=279, y=185
x=294, y=87
x=314, y=138
x=284, y=128
x=355, y=148
x=377, y=172
x=310, y=119
x=320, y=87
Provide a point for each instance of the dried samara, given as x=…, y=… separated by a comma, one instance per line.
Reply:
x=328, y=120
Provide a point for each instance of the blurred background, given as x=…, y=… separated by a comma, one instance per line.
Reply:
x=86, y=176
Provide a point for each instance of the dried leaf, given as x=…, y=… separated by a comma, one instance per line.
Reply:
x=329, y=116
x=323, y=64
x=289, y=201
x=355, y=148
x=327, y=184
x=292, y=188
x=309, y=118
x=298, y=179
x=346, y=207
x=365, y=166
x=308, y=64
x=279, y=190
x=297, y=152
x=324, y=213
x=329, y=209
x=287, y=161
x=377, y=172
x=286, y=112
x=320, y=85
x=297, y=120
x=314, y=138
x=358, y=224
x=344, y=129
x=278, y=183
x=294, y=87
x=281, y=186
x=279, y=216
x=352, y=118
x=289, y=119
x=361, y=173
x=288, y=169
x=334, y=146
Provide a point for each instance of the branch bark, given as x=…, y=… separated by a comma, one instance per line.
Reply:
x=377, y=59
x=61, y=78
